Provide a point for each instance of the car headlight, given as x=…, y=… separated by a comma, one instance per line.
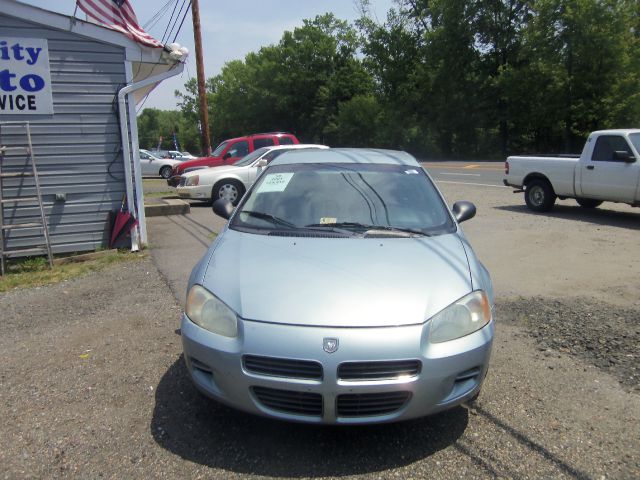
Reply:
x=192, y=181
x=205, y=310
x=470, y=313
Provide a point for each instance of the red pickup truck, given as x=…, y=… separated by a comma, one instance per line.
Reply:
x=230, y=151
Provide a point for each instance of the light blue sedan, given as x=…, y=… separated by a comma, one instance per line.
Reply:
x=341, y=291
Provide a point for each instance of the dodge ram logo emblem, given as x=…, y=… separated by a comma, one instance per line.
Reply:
x=330, y=345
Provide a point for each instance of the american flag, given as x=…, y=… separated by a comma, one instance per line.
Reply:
x=117, y=14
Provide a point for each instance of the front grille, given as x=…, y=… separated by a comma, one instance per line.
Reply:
x=283, y=367
x=370, y=404
x=386, y=370
x=297, y=403
x=182, y=182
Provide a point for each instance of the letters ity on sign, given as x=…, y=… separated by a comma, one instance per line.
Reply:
x=25, y=79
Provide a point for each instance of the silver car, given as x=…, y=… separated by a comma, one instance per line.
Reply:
x=152, y=165
x=341, y=291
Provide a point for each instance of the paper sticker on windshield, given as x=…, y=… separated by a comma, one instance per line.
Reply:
x=275, y=182
x=411, y=172
x=328, y=220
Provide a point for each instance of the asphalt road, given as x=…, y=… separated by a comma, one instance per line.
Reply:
x=480, y=174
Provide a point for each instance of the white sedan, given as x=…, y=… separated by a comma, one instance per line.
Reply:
x=231, y=181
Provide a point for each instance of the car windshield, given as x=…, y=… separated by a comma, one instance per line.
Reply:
x=249, y=159
x=635, y=139
x=344, y=198
x=187, y=154
x=219, y=149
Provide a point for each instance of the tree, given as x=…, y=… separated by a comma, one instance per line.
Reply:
x=297, y=85
x=154, y=124
x=392, y=56
x=588, y=50
x=448, y=73
x=499, y=25
x=445, y=78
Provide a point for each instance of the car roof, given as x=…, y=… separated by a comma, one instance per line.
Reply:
x=621, y=131
x=294, y=146
x=347, y=155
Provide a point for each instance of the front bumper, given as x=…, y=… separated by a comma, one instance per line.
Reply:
x=449, y=374
x=198, y=192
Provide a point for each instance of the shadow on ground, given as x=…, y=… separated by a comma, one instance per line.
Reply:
x=597, y=216
x=201, y=204
x=206, y=432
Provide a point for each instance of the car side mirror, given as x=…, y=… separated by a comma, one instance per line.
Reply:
x=223, y=208
x=463, y=211
x=227, y=155
x=262, y=162
x=624, y=156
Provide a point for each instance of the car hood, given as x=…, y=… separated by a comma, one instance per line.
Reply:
x=215, y=171
x=342, y=282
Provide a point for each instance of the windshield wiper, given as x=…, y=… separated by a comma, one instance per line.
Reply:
x=365, y=227
x=389, y=228
x=271, y=218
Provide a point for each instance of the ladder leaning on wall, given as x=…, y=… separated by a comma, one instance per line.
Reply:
x=29, y=170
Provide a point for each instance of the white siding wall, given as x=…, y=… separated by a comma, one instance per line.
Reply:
x=78, y=149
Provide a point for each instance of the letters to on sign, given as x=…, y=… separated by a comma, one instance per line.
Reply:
x=25, y=79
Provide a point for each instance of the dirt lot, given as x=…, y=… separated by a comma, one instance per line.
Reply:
x=92, y=382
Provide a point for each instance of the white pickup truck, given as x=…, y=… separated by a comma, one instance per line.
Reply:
x=607, y=170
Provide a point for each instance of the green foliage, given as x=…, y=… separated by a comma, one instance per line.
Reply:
x=154, y=123
x=439, y=78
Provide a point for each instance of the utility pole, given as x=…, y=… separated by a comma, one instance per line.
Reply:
x=202, y=94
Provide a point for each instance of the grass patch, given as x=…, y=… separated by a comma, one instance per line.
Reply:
x=35, y=272
x=213, y=236
x=161, y=194
x=154, y=182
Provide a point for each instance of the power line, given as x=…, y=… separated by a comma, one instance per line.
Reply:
x=183, y=17
x=175, y=21
x=169, y=23
x=152, y=22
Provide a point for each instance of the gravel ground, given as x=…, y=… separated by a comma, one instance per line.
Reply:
x=604, y=335
x=93, y=384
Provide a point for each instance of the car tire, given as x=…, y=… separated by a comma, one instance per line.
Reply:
x=539, y=195
x=232, y=190
x=165, y=172
x=588, y=202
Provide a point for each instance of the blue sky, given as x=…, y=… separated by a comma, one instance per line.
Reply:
x=230, y=29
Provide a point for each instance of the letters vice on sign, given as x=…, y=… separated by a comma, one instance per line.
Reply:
x=25, y=84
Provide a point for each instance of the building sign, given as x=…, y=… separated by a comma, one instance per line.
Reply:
x=25, y=79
